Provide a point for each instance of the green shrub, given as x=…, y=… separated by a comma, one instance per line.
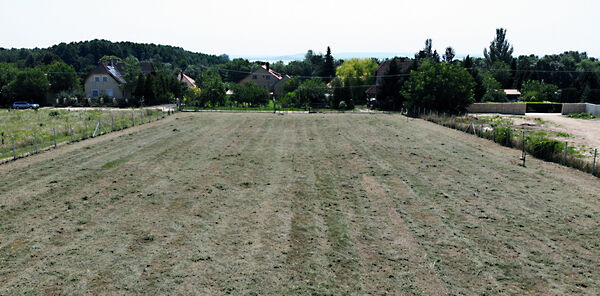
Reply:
x=504, y=135
x=544, y=148
x=343, y=105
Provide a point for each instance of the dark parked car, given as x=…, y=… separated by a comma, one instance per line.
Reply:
x=24, y=105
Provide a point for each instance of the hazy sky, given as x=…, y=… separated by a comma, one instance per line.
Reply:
x=266, y=27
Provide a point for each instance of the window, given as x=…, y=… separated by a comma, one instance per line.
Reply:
x=109, y=92
x=267, y=77
x=254, y=77
x=97, y=78
x=104, y=79
x=94, y=93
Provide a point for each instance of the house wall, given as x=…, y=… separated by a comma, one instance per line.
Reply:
x=502, y=108
x=261, y=79
x=278, y=87
x=101, y=86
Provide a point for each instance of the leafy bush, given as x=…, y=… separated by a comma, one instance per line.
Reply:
x=544, y=148
x=288, y=100
x=192, y=96
x=536, y=91
x=504, y=135
x=311, y=93
x=493, y=90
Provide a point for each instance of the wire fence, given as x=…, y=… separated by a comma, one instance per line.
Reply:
x=23, y=142
x=533, y=144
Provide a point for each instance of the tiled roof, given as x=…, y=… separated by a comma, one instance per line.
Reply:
x=277, y=75
x=186, y=79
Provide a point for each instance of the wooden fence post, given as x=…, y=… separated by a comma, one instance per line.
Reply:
x=14, y=148
x=494, y=129
x=132, y=118
x=566, y=151
x=524, y=155
x=54, y=131
x=594, y=165
x=71, y=131
x=112, y=119
x=35, y=142
x=86, y=130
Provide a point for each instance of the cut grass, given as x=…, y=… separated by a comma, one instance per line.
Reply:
x=262, y=204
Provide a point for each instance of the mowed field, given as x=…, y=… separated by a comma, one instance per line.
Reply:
x=263, y=204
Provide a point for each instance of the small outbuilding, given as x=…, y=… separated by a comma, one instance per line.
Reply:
x=512, y=94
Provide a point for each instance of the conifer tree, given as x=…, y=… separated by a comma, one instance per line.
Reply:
x=328, y=71
x=500, y=49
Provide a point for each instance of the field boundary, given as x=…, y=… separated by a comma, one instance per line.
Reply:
x=538, y=147
x=35, y=148
x=291, y=112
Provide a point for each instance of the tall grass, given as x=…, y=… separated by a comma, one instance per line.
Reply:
x=24, y=126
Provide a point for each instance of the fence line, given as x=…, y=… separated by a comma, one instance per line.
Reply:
x=537, y=146
x=19, y=145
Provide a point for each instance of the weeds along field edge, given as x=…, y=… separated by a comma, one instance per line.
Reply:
x=536, y=144
x=25, y=132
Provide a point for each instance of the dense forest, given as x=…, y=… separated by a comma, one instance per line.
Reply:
x=432, y=80
x=85, y=55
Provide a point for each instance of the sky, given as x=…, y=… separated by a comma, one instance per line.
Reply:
x=272, y=28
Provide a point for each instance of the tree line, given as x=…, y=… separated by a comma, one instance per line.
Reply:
x=319, y=80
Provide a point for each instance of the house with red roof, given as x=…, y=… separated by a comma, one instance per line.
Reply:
x=267, y=78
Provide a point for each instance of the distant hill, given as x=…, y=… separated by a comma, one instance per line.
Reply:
x=82, y=55
x=341, y=55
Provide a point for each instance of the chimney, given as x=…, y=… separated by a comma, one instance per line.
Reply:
x=268, y=66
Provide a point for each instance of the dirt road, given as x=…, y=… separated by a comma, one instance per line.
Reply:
x=265, y=204
x=582, y=131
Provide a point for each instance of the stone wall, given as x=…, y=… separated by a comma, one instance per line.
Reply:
x=501, y=108
x=573, y=108
x=593, y=109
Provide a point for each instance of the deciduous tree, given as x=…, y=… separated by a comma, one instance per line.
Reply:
x=30, y=85
x=213, y=89
x=444, y=87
